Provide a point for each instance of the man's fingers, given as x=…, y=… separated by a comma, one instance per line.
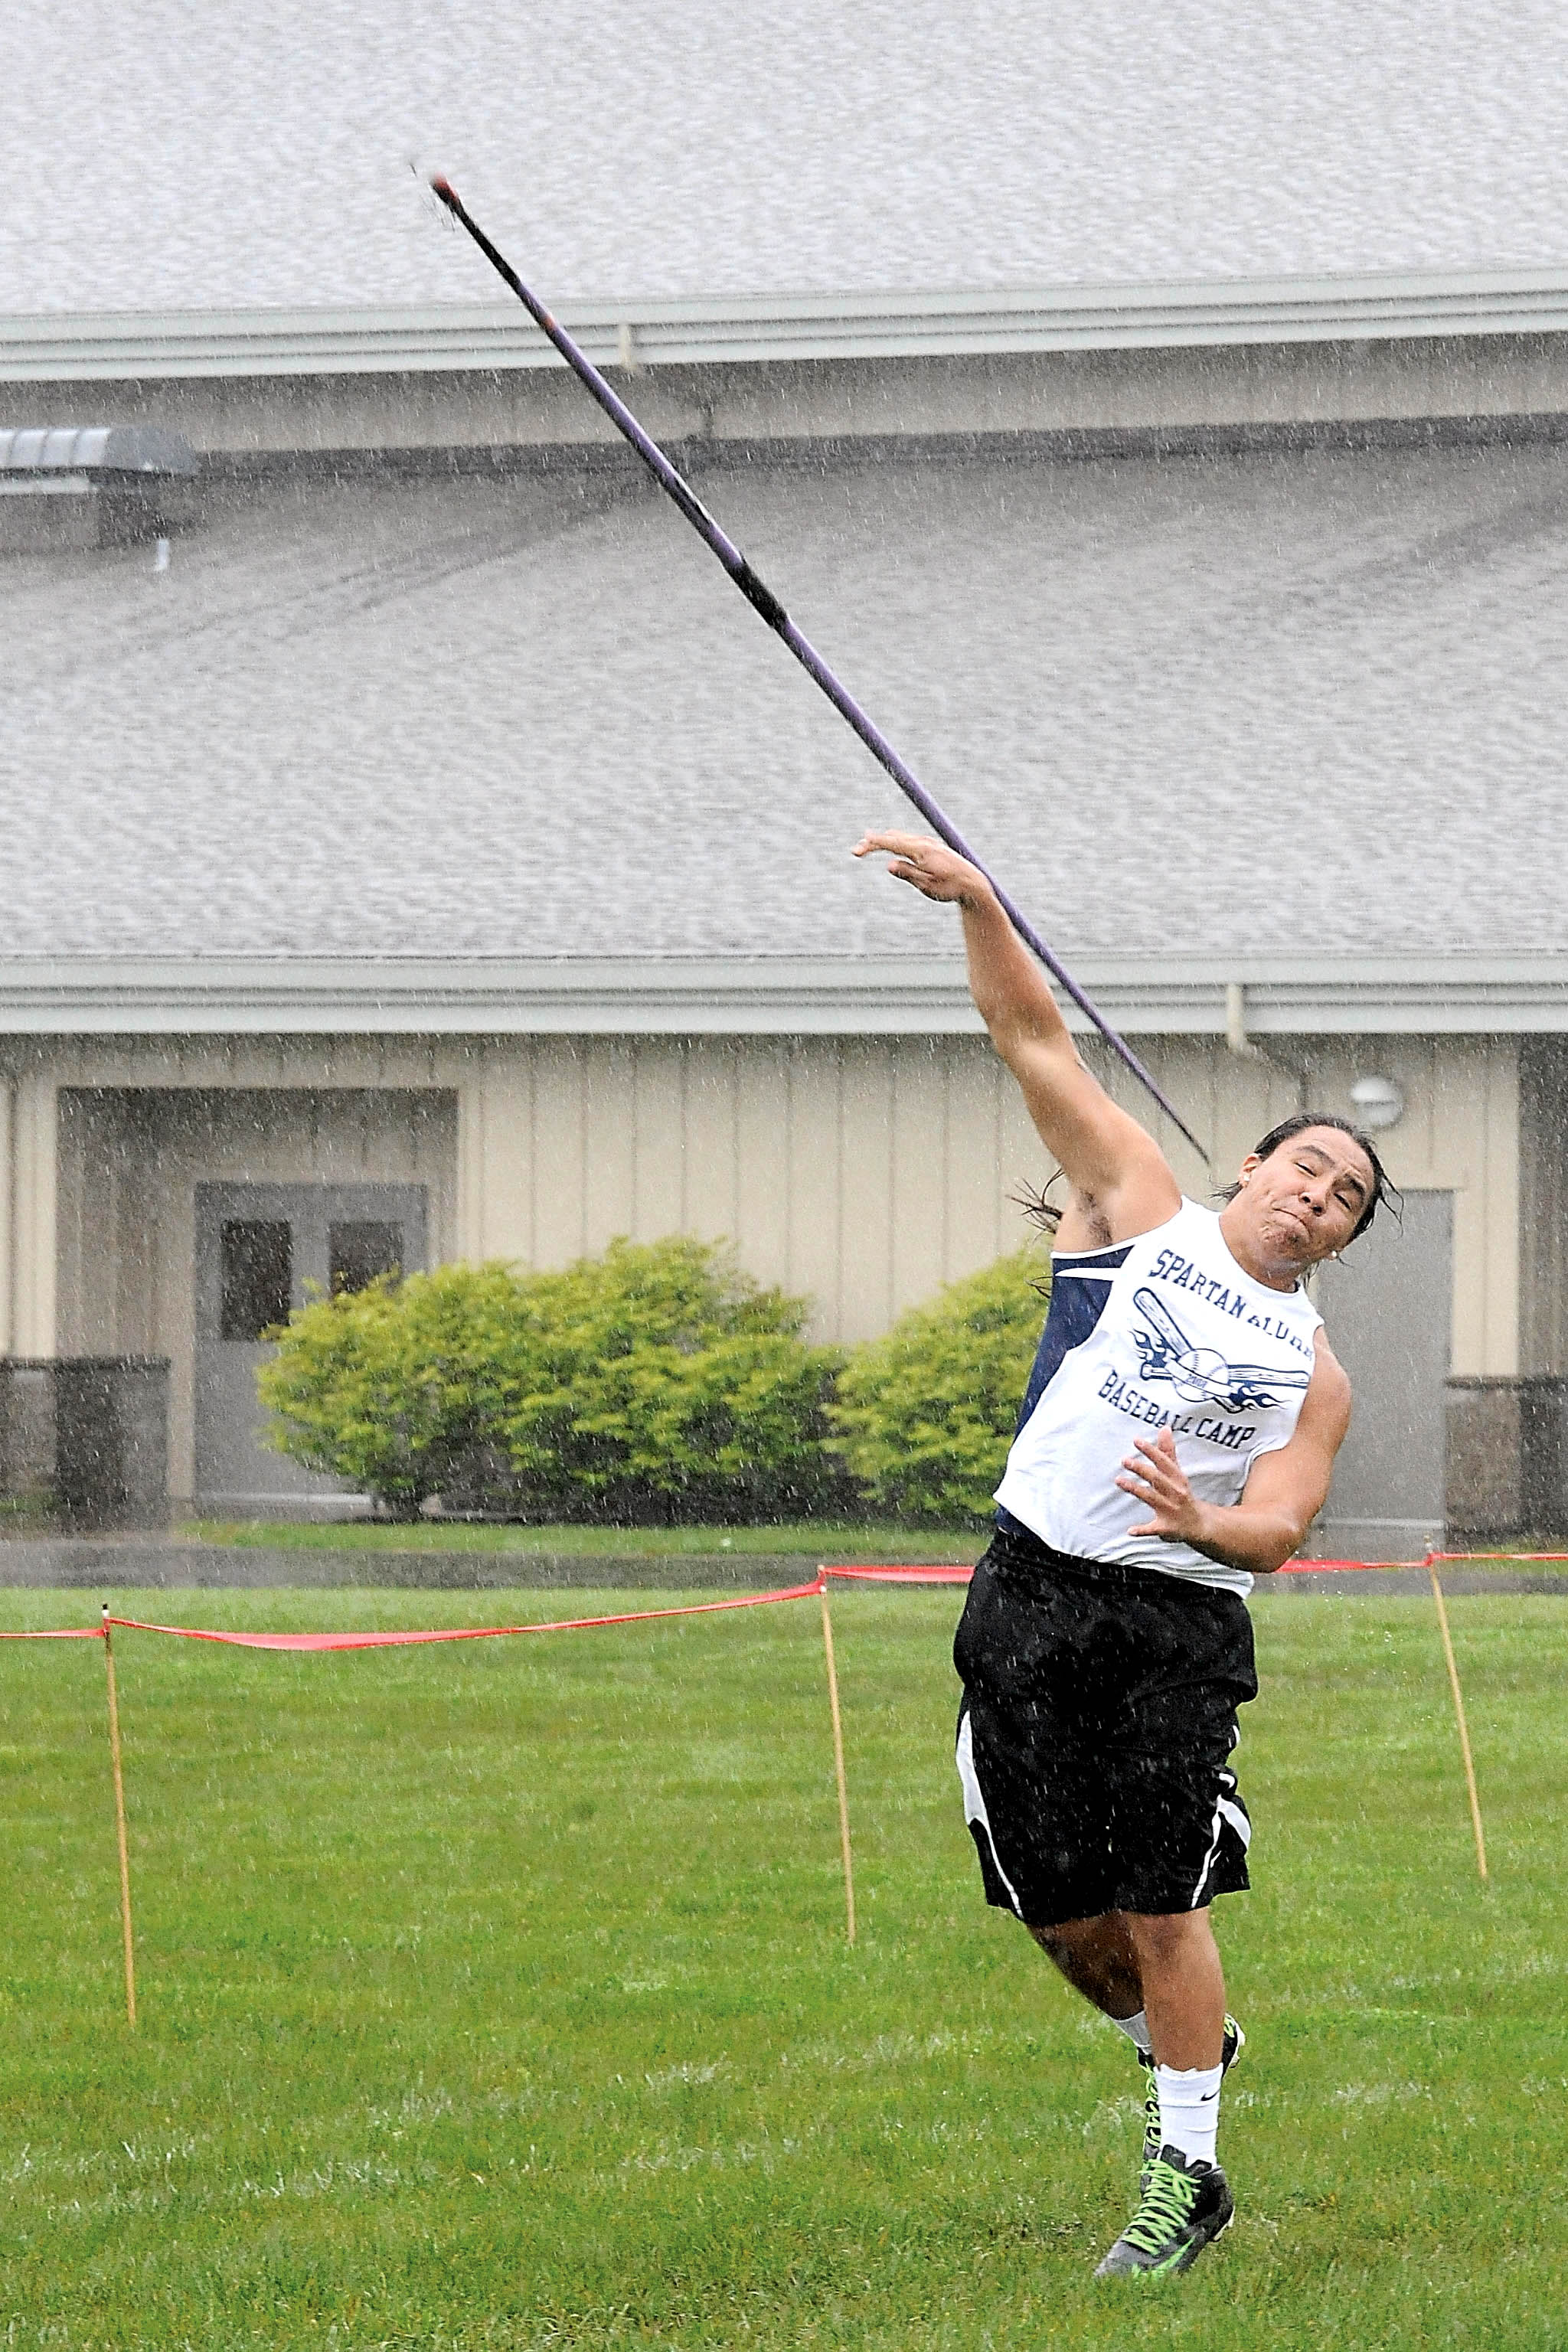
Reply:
x=937, y=872
x=1155, y=1468
x=1144, y=1492
x=895, y=845
x=1162, y=1448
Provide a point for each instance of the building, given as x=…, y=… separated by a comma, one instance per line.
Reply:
x=417, y=845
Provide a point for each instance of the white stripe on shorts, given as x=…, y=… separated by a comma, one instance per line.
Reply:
x=1208, y=1859
x=1225, y=1809
x=1237, y=1819
x=974, y=1802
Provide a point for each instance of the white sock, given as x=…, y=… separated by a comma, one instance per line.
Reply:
x=1136, y=2028
x=1189, y=2110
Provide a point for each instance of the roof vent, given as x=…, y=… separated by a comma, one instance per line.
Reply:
x=84, y=485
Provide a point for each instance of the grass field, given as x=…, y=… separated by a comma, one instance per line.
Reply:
x=495, y=1997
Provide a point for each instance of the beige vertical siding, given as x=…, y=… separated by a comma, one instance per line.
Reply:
x=919, y=1222
x=708, y=1150
x=29, y=1213
x=815, y=1202
x=972, y=1228
x=556, y=1228
x=867, y=1170
x=656, y=1106
x=863, y=1172
x=764, y=1157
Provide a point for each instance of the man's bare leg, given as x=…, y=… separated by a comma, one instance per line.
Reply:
x=1183, y=1985
x=1164, y=1963
x=1098, y=1959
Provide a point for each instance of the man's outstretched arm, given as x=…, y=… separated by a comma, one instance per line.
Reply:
x=1120, y=1180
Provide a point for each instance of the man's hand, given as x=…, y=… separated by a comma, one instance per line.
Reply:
x=1285, y=1490
x=1156, y=1478
x=933, y=869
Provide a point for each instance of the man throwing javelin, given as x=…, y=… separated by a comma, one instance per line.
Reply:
x=1176, y=1439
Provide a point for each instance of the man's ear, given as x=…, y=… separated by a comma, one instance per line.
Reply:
x=1247, y=1167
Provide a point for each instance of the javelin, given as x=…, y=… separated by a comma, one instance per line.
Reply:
x=761, y=598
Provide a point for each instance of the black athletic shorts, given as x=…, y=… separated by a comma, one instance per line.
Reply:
x=1098, y=1713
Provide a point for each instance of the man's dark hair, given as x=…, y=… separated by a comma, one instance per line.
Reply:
x=1382, y=1191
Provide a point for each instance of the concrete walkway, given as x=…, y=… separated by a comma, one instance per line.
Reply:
x=162, y=1563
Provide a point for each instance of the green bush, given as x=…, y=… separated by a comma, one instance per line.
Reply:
x=664, y=1384
x=924, y=1415
x=655, y=1382
x=400, y=1387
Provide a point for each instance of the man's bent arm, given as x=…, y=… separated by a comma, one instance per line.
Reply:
x=1284, y=1493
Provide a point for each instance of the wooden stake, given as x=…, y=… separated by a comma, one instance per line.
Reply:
x=838, y=1767
x=1459, y=1717
x=120, y=1829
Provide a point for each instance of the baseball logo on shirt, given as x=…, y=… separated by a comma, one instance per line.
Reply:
x=1202, y=1375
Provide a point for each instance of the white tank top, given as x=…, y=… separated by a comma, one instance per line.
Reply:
x=1164, y=1332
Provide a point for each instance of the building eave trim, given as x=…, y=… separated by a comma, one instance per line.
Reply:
x=64, y=346
x=759, y=997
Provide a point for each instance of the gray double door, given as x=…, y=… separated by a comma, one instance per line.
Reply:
x=1388, y=1308
x=261, y=1249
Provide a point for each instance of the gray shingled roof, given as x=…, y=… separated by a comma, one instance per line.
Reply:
x=1294, y=704
x=163, y=157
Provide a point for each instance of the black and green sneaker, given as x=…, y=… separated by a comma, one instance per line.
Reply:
x=1235, y=2043
x=1182, y=2207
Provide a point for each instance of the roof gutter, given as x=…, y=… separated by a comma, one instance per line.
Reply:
x=758, y=997
x=65, y=346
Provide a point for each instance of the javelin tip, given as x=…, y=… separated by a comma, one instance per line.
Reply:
x=443, y=188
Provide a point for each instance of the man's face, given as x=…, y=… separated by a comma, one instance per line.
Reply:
x=1305, y=1201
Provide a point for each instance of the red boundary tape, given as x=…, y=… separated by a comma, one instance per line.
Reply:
x=858, y=1573
x=398, y=1641
x=58, y=1634
x=848, y=1572
x=467, y=1633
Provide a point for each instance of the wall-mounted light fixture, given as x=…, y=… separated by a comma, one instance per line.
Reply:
x=1378, y=1103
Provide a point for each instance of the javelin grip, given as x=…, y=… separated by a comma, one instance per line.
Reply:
x=760, y=597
